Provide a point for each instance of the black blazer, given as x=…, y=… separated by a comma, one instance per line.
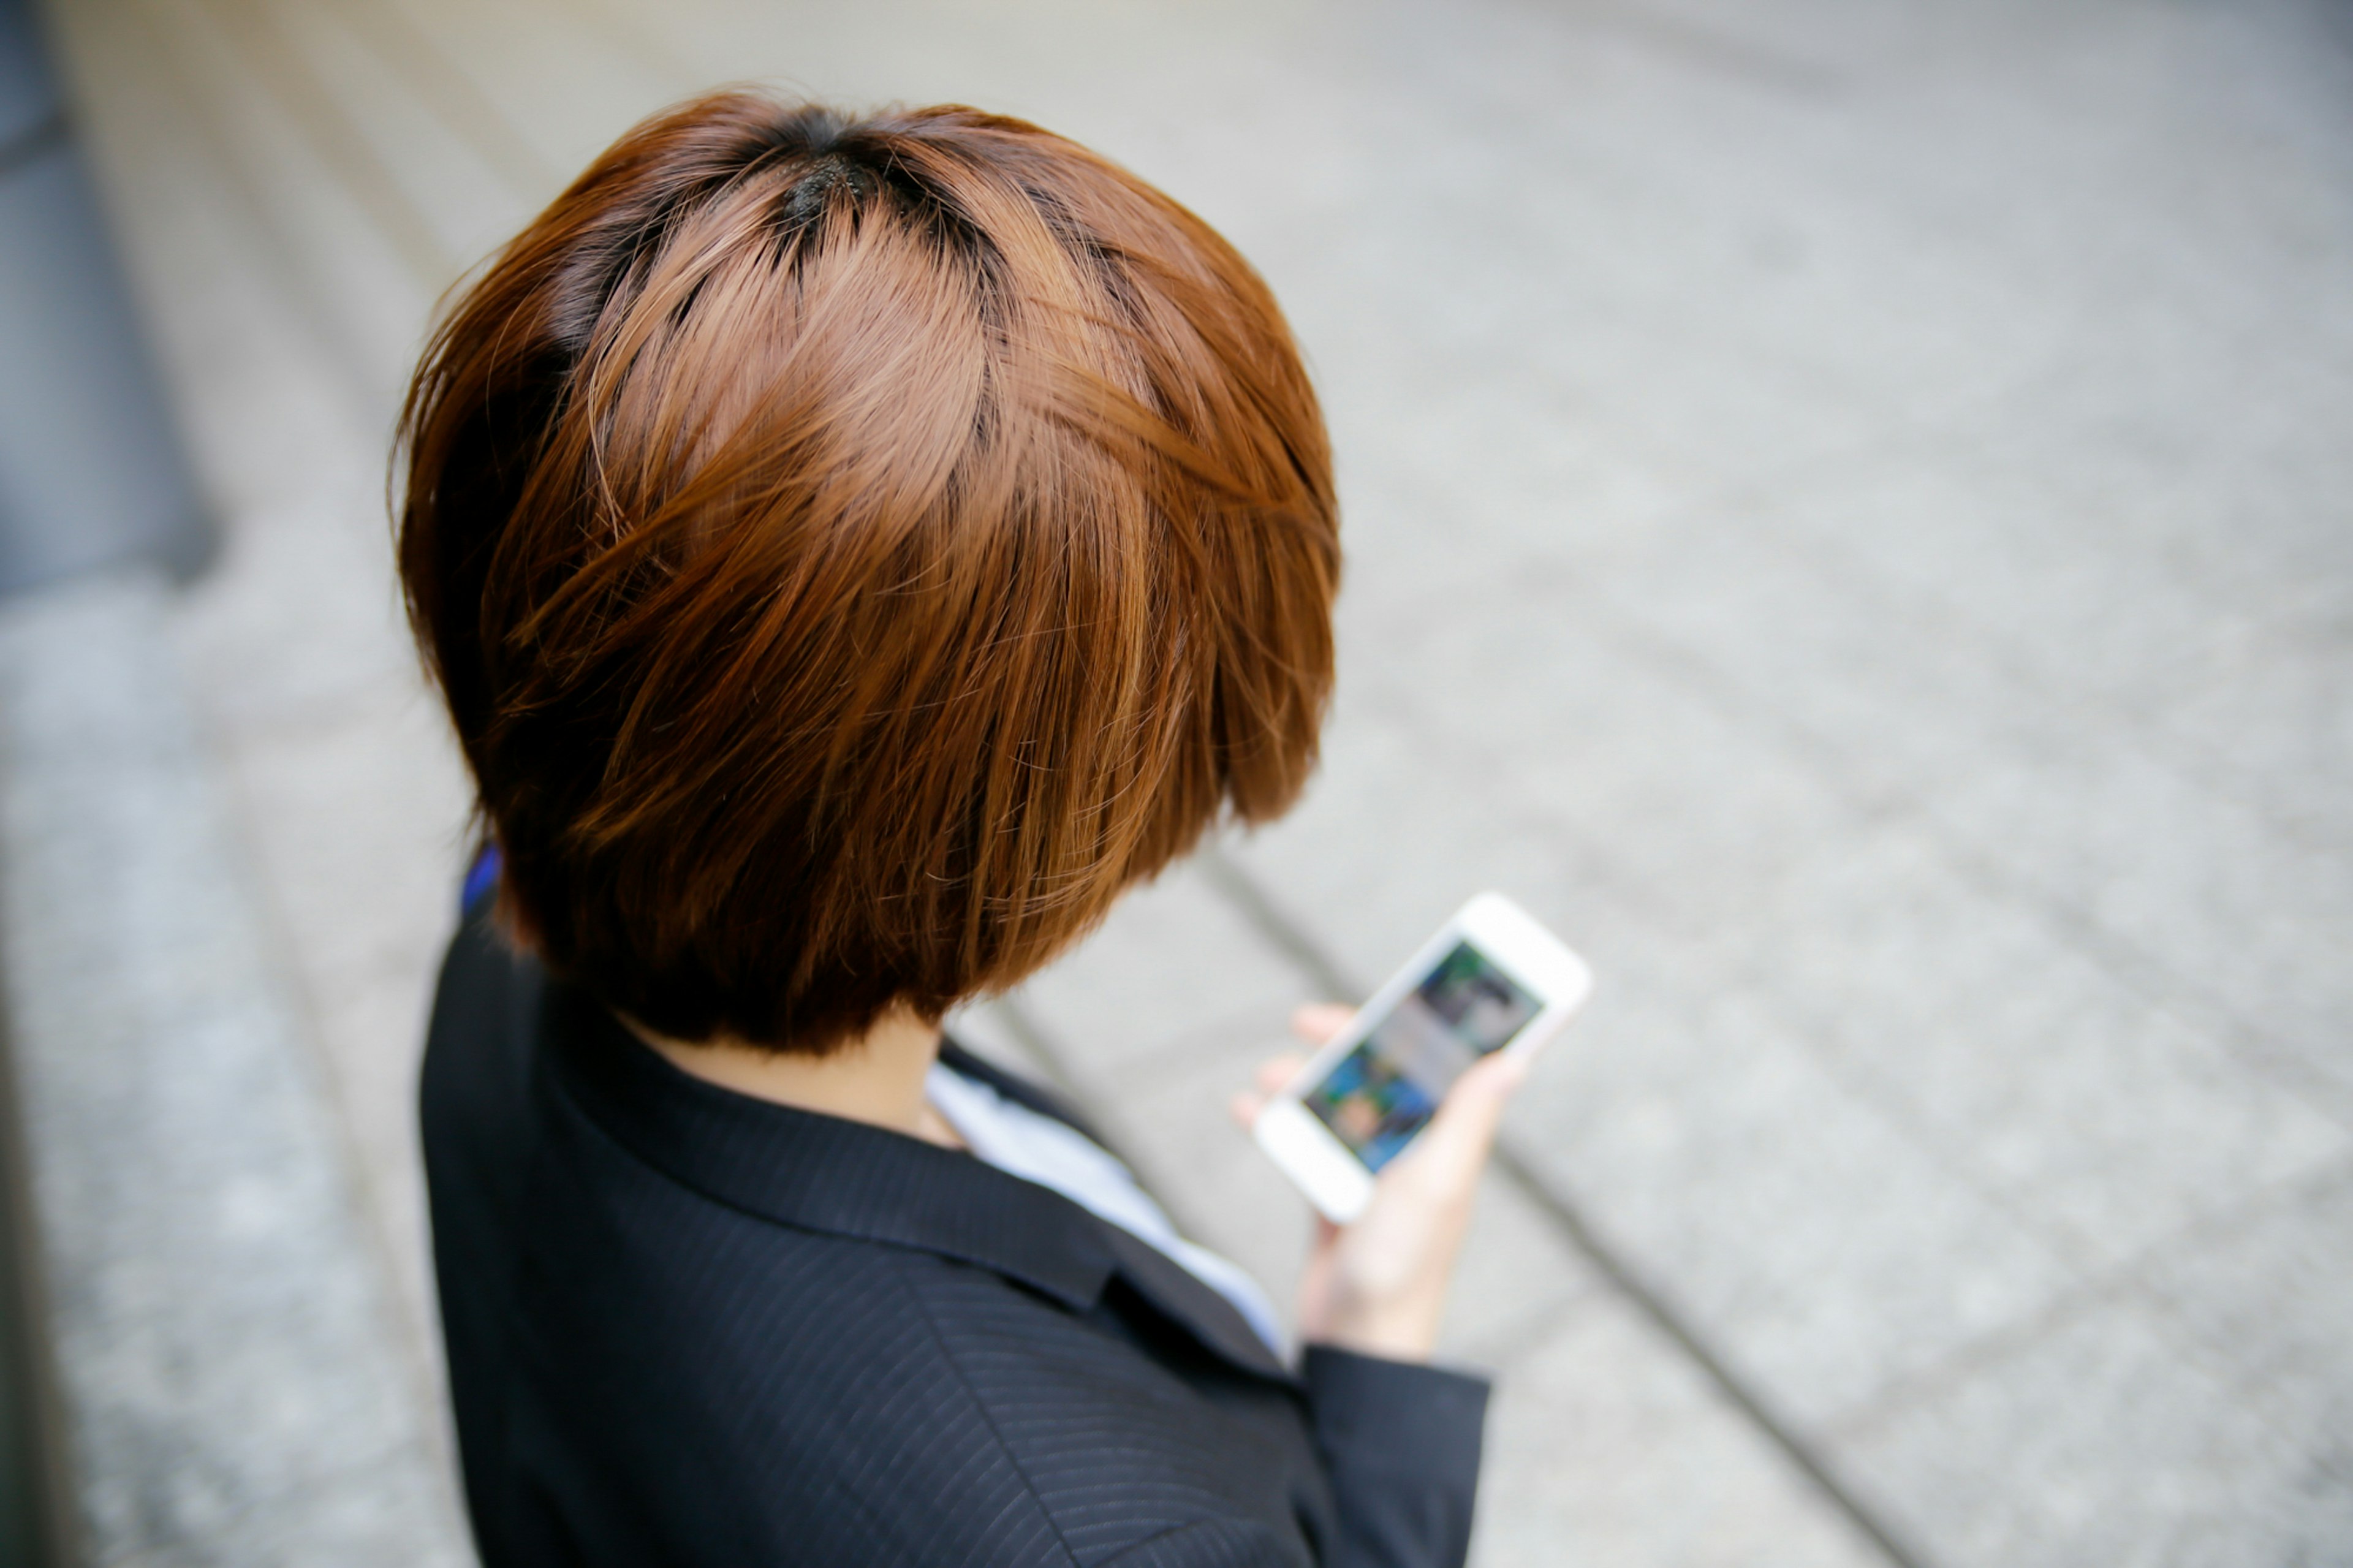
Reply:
x=686, y=1328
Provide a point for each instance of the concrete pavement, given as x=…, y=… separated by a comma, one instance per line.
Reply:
x=1847, y=519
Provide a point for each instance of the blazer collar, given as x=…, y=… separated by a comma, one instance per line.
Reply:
x=845, y=1178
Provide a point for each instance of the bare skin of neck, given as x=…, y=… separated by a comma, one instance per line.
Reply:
x=877, y=1079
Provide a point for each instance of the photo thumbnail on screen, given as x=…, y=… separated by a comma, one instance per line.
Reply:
x=1386, y=1090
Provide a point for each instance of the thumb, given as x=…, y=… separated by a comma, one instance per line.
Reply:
x=1464, y=1131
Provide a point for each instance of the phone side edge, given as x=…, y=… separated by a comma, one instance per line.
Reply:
x=1317, y=1163
x=1529, y=949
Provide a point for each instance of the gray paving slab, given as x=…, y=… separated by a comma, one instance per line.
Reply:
x=465, y=199
x=315, y=569
x=2263, y=1291
x=365, y=1522
x=180, y=97
x=1518, y=1278
x=1395, y=832
x=1171, y=958
x=202, y=226
x=1451, y=470
x=2186, y=868
x=1818, y=1243
x=1694, y=814
x=2218, y=902
x=2104, y=1438
x=372, y=1032
x=1720, y=160
x=2246, y=508
x=554, y=85
x=2107, y=1120
x=366, y=840
x=1903, y=700
x=1605, y=1446
x=2272, y=713
x=1869, y=685
x=2087, y=602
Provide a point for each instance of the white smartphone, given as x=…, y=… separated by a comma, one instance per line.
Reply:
x=1491, y=980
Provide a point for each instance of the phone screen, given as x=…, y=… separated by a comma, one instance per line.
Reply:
x=1386, y=1091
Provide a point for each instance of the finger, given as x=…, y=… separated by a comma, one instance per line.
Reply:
x=1274, y=1074
x=1319, y=1021
x=1244, y=1108
x=1463, y=1131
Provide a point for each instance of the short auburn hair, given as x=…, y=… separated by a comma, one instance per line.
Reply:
x=855, y=549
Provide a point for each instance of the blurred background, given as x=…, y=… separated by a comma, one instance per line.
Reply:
x=1850, y=513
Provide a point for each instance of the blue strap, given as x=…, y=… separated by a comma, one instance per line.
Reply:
x=482, y=880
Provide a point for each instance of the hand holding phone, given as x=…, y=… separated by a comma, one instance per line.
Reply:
x=1491, y=980
x=1378, y=1286
x=1456, y=1027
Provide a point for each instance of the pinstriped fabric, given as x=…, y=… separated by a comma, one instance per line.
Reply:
x=1220, y=1540
x=733, y=1400
x=686, y=1328
x=1125, y=1444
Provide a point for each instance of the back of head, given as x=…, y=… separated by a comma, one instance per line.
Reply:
x=855, y=549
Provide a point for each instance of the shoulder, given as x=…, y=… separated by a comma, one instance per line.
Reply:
x=1122, y=1431
x=853, y=1401
x=478, y=1040
x=713, y=1387
x=946, y=1417
x=679, y=1334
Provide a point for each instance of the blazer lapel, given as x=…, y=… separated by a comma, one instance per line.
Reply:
x=821, y=1173
x=1179, y=1296
x=1192, y=1306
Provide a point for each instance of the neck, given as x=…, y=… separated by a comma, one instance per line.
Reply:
x=876, y=1078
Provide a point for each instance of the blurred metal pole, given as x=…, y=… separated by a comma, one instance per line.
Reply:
x=91, y=471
